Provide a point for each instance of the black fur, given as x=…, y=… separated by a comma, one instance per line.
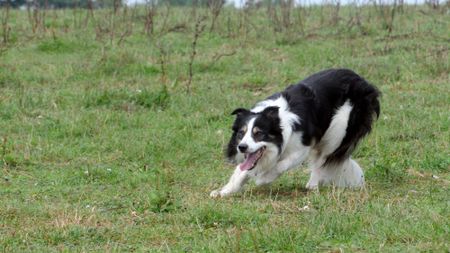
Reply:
x=269, y=124
x=242, y=117
x=267, y=121
x=315, y=100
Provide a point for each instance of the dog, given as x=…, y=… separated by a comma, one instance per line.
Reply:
x=320, y=119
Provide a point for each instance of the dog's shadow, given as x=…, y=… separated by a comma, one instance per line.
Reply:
x=286, y=190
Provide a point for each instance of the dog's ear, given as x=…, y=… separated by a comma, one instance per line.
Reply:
x=306, y=91
x=240, y=111
x=271, y=112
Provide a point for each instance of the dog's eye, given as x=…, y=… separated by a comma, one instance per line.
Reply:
x=259, y=134
x=240, y=134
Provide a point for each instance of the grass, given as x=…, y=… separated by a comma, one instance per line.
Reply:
x=101, y=150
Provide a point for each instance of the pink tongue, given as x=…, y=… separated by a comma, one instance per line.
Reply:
x=248, y=163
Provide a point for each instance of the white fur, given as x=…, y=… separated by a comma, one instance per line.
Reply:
x=287, y=118
x=344, y=174
x=293, y=153
x=336, y=131
x=247, y=139
x=235, y=184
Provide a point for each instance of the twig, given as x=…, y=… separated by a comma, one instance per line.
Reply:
x=216, y=7
x=5, y=27
x=150, y=8
x=163, y=58
x=217, y=57
x=199, y=28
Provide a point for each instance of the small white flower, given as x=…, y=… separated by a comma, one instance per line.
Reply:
x=305, y=208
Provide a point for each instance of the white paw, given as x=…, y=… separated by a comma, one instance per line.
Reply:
x=312, y=186
x=220, y=193
x=215, y=194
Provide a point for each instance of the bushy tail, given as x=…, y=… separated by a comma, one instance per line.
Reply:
x=364, y=98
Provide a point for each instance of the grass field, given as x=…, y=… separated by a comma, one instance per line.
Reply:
x=102, y=147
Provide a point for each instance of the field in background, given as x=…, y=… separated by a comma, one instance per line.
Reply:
x=113, y=122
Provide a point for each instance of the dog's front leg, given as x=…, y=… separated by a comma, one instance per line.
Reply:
x=235, y=184
x=292, y=160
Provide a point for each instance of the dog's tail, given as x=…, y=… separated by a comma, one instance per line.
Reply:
x=365, y=100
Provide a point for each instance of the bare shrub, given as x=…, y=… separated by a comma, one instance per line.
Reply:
x=199, y=28
x=219, y=55
x=336, y=8
x=301, y=19
x=273, y=17
x=127, y=23
x=116, y=6
x=89, y=13
x=5, y=24
x=387, y=14
x=163, y=59
x=286, y=8
x=215, y=7
x=283, y=20
x=356, y=19
x=194, y=7
x=434, y=4
x=34, y=15
x=165, y=12
x=150, y=13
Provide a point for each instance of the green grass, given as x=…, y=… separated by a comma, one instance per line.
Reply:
x=103, y=150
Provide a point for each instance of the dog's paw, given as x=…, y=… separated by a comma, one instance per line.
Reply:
x=312, y=186
x=220, y=193
x=215, y=194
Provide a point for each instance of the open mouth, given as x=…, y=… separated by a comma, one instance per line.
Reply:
x=251, y=159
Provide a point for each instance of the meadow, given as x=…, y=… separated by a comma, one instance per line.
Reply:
x=113, y=125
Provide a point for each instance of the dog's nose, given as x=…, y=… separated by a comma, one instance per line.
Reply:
x=243, y=147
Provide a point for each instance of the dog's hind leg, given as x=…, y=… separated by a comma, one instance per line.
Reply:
x=341, y=171
x=235, y=184
x=343, y=174
x=348, y=174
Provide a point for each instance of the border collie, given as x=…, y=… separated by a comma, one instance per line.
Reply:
x=321, y=119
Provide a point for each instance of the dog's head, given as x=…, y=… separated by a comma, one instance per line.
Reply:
x=257, y=138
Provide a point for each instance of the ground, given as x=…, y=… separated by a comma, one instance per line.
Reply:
x=105, y=144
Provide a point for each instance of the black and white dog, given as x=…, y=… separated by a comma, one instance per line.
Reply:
x=322, y=119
